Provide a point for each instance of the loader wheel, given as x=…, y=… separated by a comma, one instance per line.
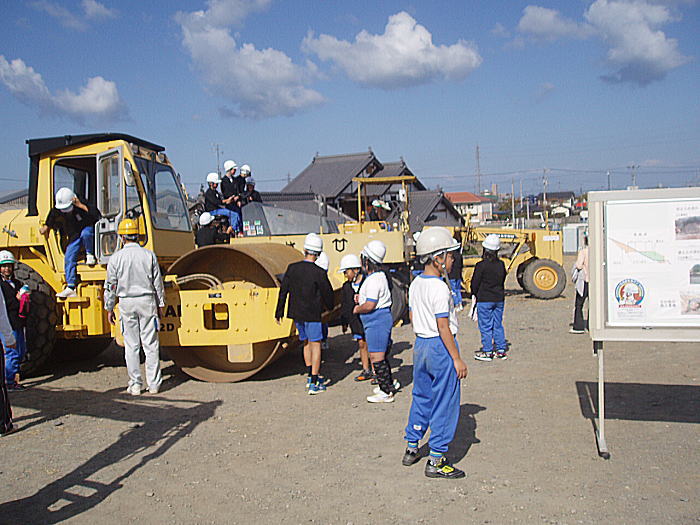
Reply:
x=41, y=321
x=520, y=272
x=80, y=349
x=544, y=279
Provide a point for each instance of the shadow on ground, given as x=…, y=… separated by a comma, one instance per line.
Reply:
x=642, y=401
x=157, y=424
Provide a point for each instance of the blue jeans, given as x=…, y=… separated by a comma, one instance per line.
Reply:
x=86, y=241
x=490, y=317
x=14, y=356
x=234, y=218
x=436, y=395
x=456, y=286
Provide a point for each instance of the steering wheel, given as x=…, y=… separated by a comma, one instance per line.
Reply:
x=134, y=212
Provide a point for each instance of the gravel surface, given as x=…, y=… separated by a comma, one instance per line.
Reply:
x=264, y=450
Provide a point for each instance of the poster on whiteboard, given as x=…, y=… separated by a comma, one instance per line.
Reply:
x=653, y=262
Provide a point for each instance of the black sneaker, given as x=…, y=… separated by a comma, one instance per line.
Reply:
x=501, y=355
x=443, y=469
x=410, y=457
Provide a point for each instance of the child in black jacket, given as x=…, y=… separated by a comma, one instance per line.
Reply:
x=352, y=269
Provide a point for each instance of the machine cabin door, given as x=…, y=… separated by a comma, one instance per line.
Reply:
x=109, y=202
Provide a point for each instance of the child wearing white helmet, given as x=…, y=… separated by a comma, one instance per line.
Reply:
x=13, y=291
x=217, y=205
x=351, y=267
x=310, y=294
x=323, y=262
x=208, y=232
x=487, y=289
x=76, y=222
x=374, y=308
x=437, y=365
x=230, y=187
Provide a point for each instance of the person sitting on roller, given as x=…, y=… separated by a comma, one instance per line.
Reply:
x=208, y=232
x=216, y=205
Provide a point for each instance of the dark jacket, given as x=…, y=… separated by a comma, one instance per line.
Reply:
x=310, y=292
x=487, y=281
x=347, y=303
x=251, y=196
x=9, y=292
x=212, y=200
x=208, y=235
x=71, y=224
x=230, y=187
x=456, y=272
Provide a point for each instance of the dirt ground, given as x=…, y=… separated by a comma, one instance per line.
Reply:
x=263, y=450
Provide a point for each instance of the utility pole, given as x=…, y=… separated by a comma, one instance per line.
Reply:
x=609, y=188
x=545, y=182
x=217, y=149
x=512, y=199
x=634, y=167
x=478, y=172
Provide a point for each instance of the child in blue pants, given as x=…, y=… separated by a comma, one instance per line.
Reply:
x=12, y=290
x=437, y=365
x=488, y=291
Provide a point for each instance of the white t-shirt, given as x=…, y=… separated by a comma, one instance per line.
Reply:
x=376, y=288
x=429, y=298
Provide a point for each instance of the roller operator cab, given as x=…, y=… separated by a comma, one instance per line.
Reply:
x=122, y=176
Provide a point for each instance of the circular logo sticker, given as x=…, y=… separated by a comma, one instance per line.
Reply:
x=629, y=293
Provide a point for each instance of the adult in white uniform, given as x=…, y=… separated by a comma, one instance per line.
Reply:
x=134, y=279
x=6, y=424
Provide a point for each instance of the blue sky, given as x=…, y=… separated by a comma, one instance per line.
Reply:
x=575, y=87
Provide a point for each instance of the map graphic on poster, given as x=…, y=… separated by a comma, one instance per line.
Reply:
x=653, y=262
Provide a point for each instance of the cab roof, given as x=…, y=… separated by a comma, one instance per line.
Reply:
x=48, y=144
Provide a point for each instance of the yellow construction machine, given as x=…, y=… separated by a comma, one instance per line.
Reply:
x=535, y=255
x=220, y=300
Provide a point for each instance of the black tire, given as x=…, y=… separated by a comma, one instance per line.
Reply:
x=41, y=321
x=544, y=279
x=520, y=272
x=79, y=349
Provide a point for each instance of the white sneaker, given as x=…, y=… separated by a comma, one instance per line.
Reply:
x=378, y=389
x=153, y=390
x=381, y=397
x=66, y=293
x=134, y=390
x=90, y=260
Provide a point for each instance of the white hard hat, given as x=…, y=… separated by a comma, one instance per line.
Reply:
x=313, y=243
x=229, y=165
x=250, y=181
x=213, y=177
x=64, y=198
x=245, y=169
x=376, y=203
x=492, y=242
x=435, y=240
x=349, y=261
x=7, y=257
x=375, y=251
x=322, y=261
x=205, y=218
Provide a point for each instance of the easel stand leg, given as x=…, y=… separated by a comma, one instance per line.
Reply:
x=600, y=429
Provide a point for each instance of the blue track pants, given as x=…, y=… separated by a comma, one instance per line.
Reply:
x=436, y=395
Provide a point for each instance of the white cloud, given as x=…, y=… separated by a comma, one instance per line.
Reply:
x=96, y=10
x=259, y=82
x=403, y=56
x=97, y=102
x=500, y=31
x=549, y=24
x=64, y=16
x=638, y=51
x=92, y=10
